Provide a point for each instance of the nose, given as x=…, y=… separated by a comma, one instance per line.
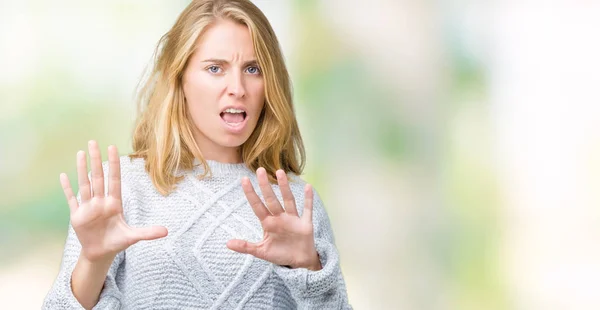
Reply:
x=235, y=87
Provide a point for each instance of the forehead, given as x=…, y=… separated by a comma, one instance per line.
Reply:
x=226, y=39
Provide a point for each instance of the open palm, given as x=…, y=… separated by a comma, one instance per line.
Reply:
x=288, y=238
x=98, y=219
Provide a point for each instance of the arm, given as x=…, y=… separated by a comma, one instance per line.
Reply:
x=98, y=235
x=83, y=285
x=88, y=279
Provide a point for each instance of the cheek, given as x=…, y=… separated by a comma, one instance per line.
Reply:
x=258, y=93
x=200, y=89
x=199, y=98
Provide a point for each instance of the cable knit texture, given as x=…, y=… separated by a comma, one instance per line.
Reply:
x=192, y=268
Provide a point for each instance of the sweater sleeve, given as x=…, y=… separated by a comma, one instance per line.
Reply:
x=326, y=288
x=61, y=295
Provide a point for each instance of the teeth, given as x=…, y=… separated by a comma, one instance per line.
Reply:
x=233, y=111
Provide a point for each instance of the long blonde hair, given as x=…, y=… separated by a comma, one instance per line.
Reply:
x=163, y=134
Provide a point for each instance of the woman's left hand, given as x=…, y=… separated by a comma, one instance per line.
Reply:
x=288, y=238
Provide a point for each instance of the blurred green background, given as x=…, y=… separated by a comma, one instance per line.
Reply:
x=455, y=143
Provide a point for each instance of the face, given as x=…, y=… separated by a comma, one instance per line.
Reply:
x=224, y=90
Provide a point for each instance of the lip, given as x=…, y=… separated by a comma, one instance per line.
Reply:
x=234, y=129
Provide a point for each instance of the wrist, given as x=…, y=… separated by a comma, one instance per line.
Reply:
x=311, y=263
x=97, y=261
x=315, y=264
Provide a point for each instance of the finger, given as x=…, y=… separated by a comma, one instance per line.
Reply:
x=308, y=203
x=149, y=233
x=97, y=173
x=257, y=206
x=82, y=177
x=114, y=172
x=71, y=199
x=288, y=198
x=244, y=247
x=267, y=191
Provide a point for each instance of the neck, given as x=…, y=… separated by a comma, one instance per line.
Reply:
x=213, y=151
x=223, y=157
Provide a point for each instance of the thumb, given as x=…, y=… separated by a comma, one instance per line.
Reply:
x=243, y=247
x=150, y=233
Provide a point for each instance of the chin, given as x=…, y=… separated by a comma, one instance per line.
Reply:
x=233, y=141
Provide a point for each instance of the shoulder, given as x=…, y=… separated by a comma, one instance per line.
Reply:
x=130, y=167
x=297, y=183
x=133, y=173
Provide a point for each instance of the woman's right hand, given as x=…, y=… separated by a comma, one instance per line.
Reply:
x=98, y=220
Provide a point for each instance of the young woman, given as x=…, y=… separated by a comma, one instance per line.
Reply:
x=178, y=224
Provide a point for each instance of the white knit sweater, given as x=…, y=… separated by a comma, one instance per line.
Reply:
x=192, y=268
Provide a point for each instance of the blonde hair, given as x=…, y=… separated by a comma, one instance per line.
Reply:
x=163, y=134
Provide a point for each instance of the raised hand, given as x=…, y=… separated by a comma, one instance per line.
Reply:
x=288, y=238
x=98, y=220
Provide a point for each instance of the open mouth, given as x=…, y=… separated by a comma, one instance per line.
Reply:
x=233, y=117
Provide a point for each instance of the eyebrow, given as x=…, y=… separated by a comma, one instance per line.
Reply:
x=223, y=61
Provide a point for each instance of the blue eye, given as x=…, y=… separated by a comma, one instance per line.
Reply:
x=253, y=70
x=213, y=69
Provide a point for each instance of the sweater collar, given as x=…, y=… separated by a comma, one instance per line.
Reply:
x=219, y=168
